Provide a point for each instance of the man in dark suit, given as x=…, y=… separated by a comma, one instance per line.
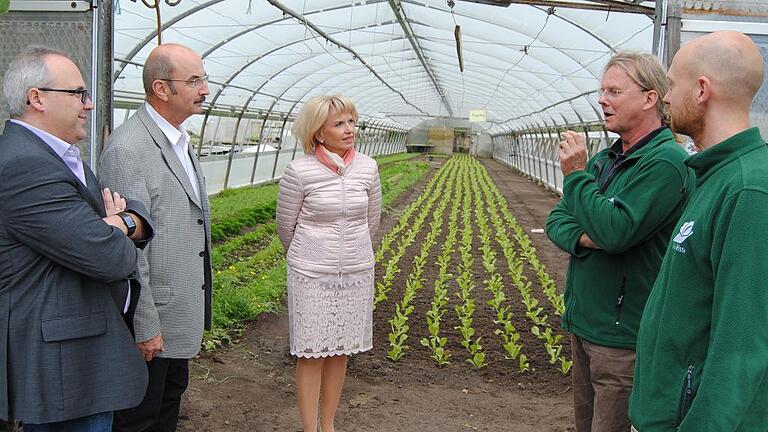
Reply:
x=150, y=157
x=67, y=254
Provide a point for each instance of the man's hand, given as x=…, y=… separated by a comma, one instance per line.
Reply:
x=572, y=152
x=151, y=348
x=585, y=241
x=114, y=204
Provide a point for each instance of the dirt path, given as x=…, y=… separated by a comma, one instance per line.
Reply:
x=249, y=387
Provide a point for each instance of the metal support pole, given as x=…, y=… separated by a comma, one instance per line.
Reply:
x=537, y=151
x=360, y=138
x=234, y=142
x=202, y=133
x=548, y=154
x=279, y=148
x=261, y=140
x=674, y=27
x=530, y=135
x=374, y=132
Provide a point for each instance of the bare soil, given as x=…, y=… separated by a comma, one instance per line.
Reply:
x=249, y=386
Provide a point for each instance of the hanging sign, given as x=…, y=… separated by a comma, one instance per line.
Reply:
x=477, y=116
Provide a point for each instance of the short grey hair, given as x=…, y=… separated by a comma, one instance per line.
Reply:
x=157, y=67
x=25, y=71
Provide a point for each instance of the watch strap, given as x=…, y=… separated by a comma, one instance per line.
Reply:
x=130, y=224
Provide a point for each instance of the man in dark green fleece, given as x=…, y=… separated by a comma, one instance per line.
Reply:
x=702, y=350
x=615, y=219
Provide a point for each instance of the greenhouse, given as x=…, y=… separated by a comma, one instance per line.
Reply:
x=465, y=112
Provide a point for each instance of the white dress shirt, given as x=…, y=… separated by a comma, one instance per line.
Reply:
x=179, y=139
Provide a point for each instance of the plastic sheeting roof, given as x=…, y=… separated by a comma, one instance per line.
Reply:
x=526, y=65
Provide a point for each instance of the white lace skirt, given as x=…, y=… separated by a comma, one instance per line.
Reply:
x=330, y=314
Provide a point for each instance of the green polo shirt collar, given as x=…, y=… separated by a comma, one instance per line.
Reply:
x=710, y=160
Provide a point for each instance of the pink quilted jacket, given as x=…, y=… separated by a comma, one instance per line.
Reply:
x=326, y=220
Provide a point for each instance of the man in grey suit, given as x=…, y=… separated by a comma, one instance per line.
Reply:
x=67, y=254
x=149, y=157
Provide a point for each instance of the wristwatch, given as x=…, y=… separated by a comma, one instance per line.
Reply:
x=129, y=222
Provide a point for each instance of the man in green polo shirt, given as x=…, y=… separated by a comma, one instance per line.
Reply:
x=702, y=349
x=615, y=220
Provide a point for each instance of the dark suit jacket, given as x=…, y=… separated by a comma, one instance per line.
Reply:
x=65, y=351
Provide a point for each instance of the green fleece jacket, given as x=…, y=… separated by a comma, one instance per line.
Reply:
x=702, y=351
x=631, y=220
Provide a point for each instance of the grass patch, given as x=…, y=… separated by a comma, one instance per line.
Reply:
x=398, y=177
x=397, y=157
x=242, y=247
x=234, y=209
x=230, y=202
x=244, y=289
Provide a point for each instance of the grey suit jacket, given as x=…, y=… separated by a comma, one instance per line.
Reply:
x=175, y=268
x=65, y=351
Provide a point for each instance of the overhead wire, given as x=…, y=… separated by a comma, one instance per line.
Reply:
x=525, y=53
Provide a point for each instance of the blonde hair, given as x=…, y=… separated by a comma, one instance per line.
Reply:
x=314, y=114
x=646, y=71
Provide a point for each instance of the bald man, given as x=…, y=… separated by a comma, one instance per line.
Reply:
x=150, y=155
x=702, y=349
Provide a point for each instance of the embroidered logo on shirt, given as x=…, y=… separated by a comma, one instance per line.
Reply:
x=686, y=230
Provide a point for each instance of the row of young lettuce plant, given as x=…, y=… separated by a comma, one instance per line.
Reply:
x=464, y=185
x=527, y=253
x=414, y=284
x=434, y=316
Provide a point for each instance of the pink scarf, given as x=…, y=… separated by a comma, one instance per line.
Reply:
x=333, y=161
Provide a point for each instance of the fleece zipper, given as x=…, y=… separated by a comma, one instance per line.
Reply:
x=343, y=222
x=571, y=298
x=685, y=396
x=620, y=299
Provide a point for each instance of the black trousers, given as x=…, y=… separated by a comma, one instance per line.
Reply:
x=159, y=411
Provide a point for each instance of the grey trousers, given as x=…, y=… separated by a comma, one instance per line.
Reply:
x=602, y=382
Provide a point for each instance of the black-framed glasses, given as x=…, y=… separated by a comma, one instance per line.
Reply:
x=85, y=95
x=194, y=82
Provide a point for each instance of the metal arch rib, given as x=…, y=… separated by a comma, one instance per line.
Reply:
x=230, y=38
x=151, y=36
x=544, y=10
x=139, y=46
x=580, y=27
x=227, y=82
x=357, y=56
x=563, y=52
x=550, y=106
x=398, y=11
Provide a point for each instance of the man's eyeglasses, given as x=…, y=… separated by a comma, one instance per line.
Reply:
x=194, y=82
x=612, y=93
x=85, y=96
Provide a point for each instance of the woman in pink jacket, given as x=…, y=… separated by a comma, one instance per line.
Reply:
x=328, y=209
